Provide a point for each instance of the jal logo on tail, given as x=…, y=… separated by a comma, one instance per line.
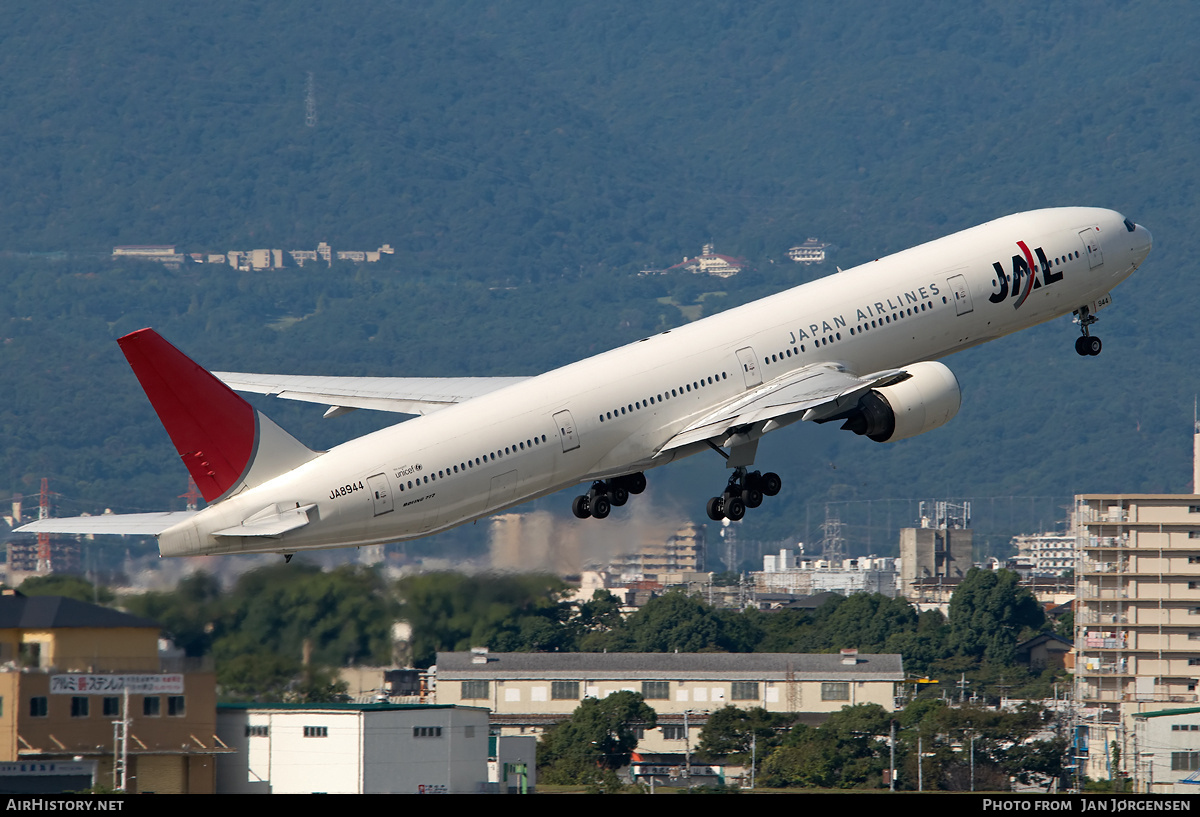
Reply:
x=1024, y=278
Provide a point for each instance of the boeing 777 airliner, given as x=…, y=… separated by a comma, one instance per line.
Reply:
x=860, y=347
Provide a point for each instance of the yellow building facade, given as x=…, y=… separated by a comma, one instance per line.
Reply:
x=70, y=670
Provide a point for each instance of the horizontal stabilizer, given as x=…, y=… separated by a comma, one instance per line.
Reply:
x=127, y=524
x=270, y=521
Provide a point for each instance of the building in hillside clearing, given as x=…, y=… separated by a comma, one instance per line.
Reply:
x=811, y=251
x=526, y=692
x=162, y=253
x=708, y=262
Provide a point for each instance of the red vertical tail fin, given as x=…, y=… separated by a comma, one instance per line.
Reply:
x=226, y=443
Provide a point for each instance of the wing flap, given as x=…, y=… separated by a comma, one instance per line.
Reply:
x=270, y=521
x=403, y=395
x=818, y=391
x=127, y=524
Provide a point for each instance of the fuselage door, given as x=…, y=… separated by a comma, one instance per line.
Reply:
x=566, y=430
x=1091, y=246
x=962, y=295
x=503, y=489
x=750, y=370
x=381, y=493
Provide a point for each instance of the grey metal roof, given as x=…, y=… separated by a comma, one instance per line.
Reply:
x=57, y=612
x=667, y=665
x=333, y=706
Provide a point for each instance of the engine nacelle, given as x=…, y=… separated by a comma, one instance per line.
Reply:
x=928, y=399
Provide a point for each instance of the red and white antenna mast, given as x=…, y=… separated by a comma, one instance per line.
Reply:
x=193, y=494
x=43, y=539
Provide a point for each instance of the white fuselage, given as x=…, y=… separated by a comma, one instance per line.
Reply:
x=611, y=414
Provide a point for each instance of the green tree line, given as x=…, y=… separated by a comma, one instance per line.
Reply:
x=260, y=630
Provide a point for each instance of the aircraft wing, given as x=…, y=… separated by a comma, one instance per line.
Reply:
x=133, y=524
x=404, y=395
x=816, y=392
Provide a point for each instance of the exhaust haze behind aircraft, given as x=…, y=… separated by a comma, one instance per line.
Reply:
x=859, y=347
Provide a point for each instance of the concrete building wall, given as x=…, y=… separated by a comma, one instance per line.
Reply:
x=454, y=757
x=351, y=749
x=927, y=553
x=1169, y=752
x=84, y=649
x=528, y=692
x=519, y=696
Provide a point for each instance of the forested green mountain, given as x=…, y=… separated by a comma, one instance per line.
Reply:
x=527, y=158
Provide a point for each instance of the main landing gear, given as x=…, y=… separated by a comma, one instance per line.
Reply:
x=604, y=494
x=1087, y=345
x=745, y=490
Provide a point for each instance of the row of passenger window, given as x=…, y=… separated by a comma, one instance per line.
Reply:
x=862, y=327
x=638, y=405
x=924, y=306
x=462, y=467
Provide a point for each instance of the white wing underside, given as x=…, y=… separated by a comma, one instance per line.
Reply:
x=403, y=395
x=816, y=392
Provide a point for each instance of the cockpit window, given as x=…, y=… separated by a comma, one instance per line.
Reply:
x=1129, y=225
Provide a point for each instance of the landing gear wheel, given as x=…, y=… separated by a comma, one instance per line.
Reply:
x=752, y=497
x=735, y=509
x=1086, y=346
x=600, y=507
x=770, y=483
x=618, y=495
x=581, y=507
x=716, y=509
x=635, y=483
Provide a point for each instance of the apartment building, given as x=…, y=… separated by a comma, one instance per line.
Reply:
x=1137, y=620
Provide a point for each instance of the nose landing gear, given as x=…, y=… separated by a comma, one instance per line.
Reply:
x=1087, y=345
